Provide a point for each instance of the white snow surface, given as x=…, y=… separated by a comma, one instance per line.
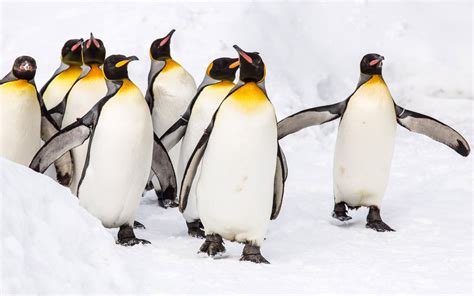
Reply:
x=49, y=244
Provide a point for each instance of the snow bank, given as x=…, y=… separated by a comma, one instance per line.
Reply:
x=48, y=239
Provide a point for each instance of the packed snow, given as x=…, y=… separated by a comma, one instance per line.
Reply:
x=49, y=244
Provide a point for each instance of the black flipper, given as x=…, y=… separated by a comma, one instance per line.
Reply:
x=64, y=165
x=72, y=135
x=192, y=166
x=281, y=174
x=164, y=171
x=67, y=139
x=310, y=117
x=155, y=69
x=432, y=128
x=174, y=134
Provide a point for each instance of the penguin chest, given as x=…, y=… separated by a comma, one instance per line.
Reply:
x=173, y=90
x=20, y=121
x=235, y=188
x=119, y=159
x=364, y=146
x=203, y=110
x=83, y=96
x=58, y=88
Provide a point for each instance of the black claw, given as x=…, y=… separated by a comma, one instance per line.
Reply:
x=167, y=203
x=374, y=221
x=132, y=242
x=213, y=245
x=252, y=254
x=379, y=226
x=195, y=229
x=126, y=237
x=340, y=212
x=138, y=225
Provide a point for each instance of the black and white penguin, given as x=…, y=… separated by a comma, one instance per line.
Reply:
x=217, y=82
x=24, y=120
x=119, y=155
x=240, y=187
x=56, y=88
x=55, y=91
x=88, y=89
x=170, y=90
x=365, y=140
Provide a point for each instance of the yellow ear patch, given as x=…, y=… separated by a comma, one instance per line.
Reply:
x=234, y=64
x=209, y=68
x=121, y=63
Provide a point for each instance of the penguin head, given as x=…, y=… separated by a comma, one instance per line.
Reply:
x=115, y=66
x=223, y=69
x=371, y=64
x=24, y=67
x=252, y=68
x=71, y=54
x=94, y=51
x=160, y=48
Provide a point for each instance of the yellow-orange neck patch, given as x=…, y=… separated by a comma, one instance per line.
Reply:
x=249, y=97
x=170, y=66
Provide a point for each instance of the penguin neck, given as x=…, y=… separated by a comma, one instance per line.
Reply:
x=363, y=78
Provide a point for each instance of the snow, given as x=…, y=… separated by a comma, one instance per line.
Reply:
x=49, y=244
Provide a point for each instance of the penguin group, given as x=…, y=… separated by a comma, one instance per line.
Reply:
x=215, y=146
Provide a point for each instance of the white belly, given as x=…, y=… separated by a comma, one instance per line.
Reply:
x=203, y=110
x=120, y=161
x=235, y=188
x=20, y=122
x=364, y=147
x=84, y=95
x=173, y=90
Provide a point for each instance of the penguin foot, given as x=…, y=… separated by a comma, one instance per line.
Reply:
x=149, y=186
x=340, y=212
x=379, y=226
x=214, y=245
x=138, y=225
x=126, y=237
x=252, y=254
x=195, y=229
x=64, y=179
x=167, y=203
x=374, y=221
x=132, y=242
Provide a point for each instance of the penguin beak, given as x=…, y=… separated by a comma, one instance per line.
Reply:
x=234, y=64
x=167, y=38
x=77, y=45
x=126, y=61
x=243, y=54
x=376, y=61
x=92, y=40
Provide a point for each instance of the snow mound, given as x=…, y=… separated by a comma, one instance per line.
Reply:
x=45, y=233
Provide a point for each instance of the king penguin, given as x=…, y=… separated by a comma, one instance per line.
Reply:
x=88, y=89
x=218, y=81
x=170, y=90
x=56, y=88
x=119, y=155
x=24, y=120
x=366, y=138
x=240, y=187
x=54, y=92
